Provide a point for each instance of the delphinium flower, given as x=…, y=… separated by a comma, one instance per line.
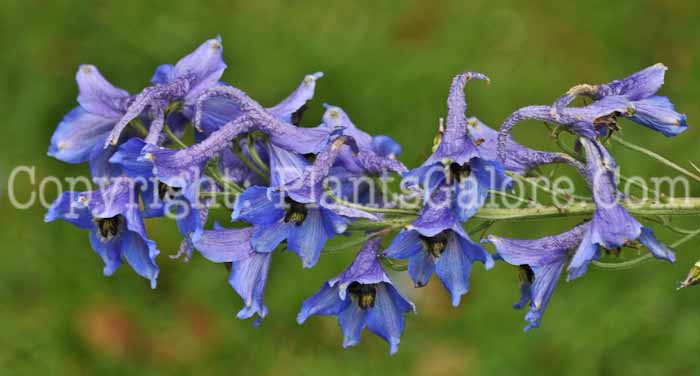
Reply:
x=294, y=213
x=645, y=108
x=181, y=83
x=187, y=164
x=612, y=226
x=518, y=158
x=633, y=98
x=456, y=161
x=362, y=296
x=115, y=222
x=248, y=267
x=81, y=135
x=161, y=196
x=354, y=170
x=437, y=243
x=541, y=262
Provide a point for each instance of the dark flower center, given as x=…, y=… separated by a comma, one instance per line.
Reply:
x=435, y=245
x=167, y=192
x=295, y=212
x=608, y=122
x=109, y=227
x=526, y=274
x=298, y=114
x=459, y=171
x=365, y=294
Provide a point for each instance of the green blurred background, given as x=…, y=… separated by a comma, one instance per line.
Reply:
x=389, y=65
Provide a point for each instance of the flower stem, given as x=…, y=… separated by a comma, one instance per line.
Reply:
x=653, y=155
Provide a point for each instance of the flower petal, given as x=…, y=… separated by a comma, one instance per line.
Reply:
x=98, y=96
x=303, y=93
x=421, y=267
x=325, y=302
x=78, y=134
x=307, y=239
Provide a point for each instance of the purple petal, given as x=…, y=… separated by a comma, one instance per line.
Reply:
x=98, y=96
x=248, y=278
x=325, y=302
x=303, y=93
x=421, y=266
x=78, y=134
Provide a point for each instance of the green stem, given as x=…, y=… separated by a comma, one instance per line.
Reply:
x=369, y=209
x=674, y=206
x=168, y=132
x=256, y=157
x=239, y=153
x=139, y=127
x=653, y=155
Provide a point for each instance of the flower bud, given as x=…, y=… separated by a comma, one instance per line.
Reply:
x=693, y=277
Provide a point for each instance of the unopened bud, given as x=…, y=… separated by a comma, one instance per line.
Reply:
x=693, y=277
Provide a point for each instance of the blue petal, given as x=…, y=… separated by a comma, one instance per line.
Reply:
x=421, y=267
x=66, y=207
x=109, y=251
x=405, y=244
x=325, y=302
x=162, y=75
x=546, y=279
x=352, y=321
x=225, y=245
x=140, y=253
x=657, y=248
x=307, y=239
x=586, y=252
x=202, y=68
x=127, y=157
x=98, y=96
x=303, y=93
x=78, y=134
x=453, y=268
x=470, y=196
x=285, y=166
x=248, y=278
x=386, y=146
x=657, y=113
x=256, y=207
x=267, y=237
x=100, y=167
x=386, y=319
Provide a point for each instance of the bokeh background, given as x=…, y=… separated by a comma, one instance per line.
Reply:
x=389, y=65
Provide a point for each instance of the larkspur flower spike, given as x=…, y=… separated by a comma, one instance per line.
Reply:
x=295, y=188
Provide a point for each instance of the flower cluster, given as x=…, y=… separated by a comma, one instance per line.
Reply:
x=297, y=187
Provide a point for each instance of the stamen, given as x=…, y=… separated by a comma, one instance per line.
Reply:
x=365, y=294
x=435, y=245
x=108, y=228
x=295, y=212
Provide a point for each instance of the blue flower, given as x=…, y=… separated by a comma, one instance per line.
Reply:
x=249, y=268
x=541, y=262
x=182, y=82
x=175, y=195
x=456, y=161
x=612, y=226
x=658, y=113
x=436, y=243
x=519, y=159
x=375, y=155
x=362, y=296
x=116, y=226
x=639, y=89
x=295, y=212
x=81, y=134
